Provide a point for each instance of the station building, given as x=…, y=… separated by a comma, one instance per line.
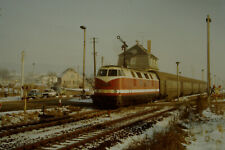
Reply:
x=137, y=57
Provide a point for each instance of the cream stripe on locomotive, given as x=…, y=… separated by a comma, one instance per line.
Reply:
x=126, y=91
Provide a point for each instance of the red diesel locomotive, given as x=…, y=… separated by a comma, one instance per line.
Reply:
x=117, y=86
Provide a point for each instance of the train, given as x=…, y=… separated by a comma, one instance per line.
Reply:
x=117, y=86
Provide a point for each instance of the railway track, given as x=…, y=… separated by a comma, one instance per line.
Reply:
x=89, y=133
x=15, y=129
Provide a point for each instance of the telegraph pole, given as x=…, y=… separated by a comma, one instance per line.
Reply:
x=102, y=60
x=208, y=20
x=84, y=28
x=203, y=74
x=22, y=74
x=215, y=79
x=94, y=57
x=23, y=92
x=178, y=79
x=33, y=64
x=78, y=76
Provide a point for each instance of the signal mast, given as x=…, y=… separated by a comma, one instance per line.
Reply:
x=124, y=47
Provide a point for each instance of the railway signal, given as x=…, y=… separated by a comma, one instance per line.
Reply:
x=124, y=47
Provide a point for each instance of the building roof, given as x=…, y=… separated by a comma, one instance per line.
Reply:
x=138, y=47
x=68, y=69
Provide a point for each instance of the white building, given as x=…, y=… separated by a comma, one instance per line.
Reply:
x=70, y=79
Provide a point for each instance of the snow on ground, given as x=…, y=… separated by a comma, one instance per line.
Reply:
x=160, y=126
x=10, y=98
x=36, y=135
x=209, y=134
x=219, y=100
x=16, y=117
x=88, y=100
x=206, y=134
x=77, y=89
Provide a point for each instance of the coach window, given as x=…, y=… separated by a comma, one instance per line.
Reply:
x=139, y=74
x=151, y=76
x=102, y=72
x=112, y=72
x=133, y=74
x=146, y=75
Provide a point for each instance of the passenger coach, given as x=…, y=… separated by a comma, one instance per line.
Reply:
x=118, y=86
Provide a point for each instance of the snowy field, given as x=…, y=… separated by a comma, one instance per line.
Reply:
x=209, y=134
x=87, y=100
x=35, y=135
x=206, y=132
x=10, y=98
x=160, y=126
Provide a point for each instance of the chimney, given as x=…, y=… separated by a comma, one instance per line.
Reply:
x=137, y=42
x=149, y=46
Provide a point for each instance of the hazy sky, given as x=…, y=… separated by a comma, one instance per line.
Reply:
x=49, y=32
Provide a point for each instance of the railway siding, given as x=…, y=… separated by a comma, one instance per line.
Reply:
x=115, y=125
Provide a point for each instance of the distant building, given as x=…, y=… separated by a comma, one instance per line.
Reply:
x=69, y=79
x=48, y=80
x=137, y=57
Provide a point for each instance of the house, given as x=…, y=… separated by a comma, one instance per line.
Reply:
x=48, y=80
x=70, y=79
x=137, y=57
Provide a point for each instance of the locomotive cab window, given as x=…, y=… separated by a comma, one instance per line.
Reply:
x=121, y=73
x=102, y=72
x=112, y=72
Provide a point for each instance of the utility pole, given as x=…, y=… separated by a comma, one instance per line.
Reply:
x=208, y=20
x=84, y=28
x=33, y=64
x=78, y=76
x=215, y=79
x=102, y=60
x=94, y=57
x=178, y=79
x=22, y=74
x=203, y=74
x=23, y=92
